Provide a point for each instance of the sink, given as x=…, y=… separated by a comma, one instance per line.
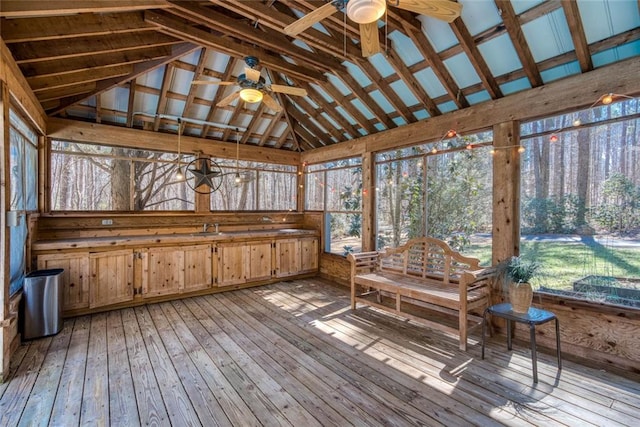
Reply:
x=206, y=234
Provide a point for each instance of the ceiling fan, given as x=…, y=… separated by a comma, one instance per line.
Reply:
x=367, y=12
x=254, y=88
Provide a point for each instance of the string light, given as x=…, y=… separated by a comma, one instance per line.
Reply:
x=521, y=148
x=605, y=99
x=451, y=133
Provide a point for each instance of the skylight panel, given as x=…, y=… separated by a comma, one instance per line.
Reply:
x=515, y=86
x=462, y=70
x=500, y=55
x=381, y=65
x=401, y=89
x=603, y=19
x=357, y=73
x=478, y=97
x=479, y=16
x=438, y=32
x=430, y=83
x=405, y=48
x=560, y=72
x=558, y=41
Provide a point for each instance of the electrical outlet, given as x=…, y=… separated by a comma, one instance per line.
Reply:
x=107, y=222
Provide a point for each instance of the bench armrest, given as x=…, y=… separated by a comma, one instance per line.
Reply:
x=363, y=261
x=476, y=279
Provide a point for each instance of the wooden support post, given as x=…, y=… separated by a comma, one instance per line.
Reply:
x=506, y=191
x=368, y=203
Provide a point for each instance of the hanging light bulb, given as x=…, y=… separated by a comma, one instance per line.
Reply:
x=577, y=122
x=521, y=149
x=553, y=138
x=607, y=99
x=237, y=178
x=451, y=133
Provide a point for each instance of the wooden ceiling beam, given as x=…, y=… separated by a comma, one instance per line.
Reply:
x=51, y=82
x=71, y=26
x=306, y=138
x=580, y=45
x=475, y=57
x=412, y=83
x=31, y=8
x=274, y=77
x=519, y=42
x=267, y=38
x=303, y=120
x=197, y=74
x=386, y=90
x=317, y=116
x=357, y=116
x=218, y=96
x=330, y=110
x=130, y=103
x=138, y=70
x=81, y=89
x=270, y=128
x=167, y=77
x=437, y=66
x=237, y=110
x=367, y=100
x=87, y=46
x=94, y=62
x=253, y=124
x=272, y=18
x=181, y=29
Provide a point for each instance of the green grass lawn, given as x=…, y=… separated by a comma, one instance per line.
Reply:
x=563, y=262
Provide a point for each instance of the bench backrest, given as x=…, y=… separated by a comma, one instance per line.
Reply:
x=429, y=258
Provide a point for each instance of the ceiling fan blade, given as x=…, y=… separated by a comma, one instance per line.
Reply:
x=252, y=74
x=310, y=19
x=289, y=90
x=228, y=99
x=445, y=10
x=369, y=39
x=209, y=82
x=271, y=103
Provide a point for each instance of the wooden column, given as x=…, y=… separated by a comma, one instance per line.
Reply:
x=5, y=339
x=368, y=202
x=506, y=191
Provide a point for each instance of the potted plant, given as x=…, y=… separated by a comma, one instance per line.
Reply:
x=519, y=272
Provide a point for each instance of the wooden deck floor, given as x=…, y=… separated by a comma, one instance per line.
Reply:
x=292, y=354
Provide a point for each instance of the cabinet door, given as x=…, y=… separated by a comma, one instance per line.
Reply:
x=163, y=271
x=197, y=267
x=231, y=264
x=308, y=254
x=287, y=257
x=75, y=279
x=258, y=264
x=111, y=277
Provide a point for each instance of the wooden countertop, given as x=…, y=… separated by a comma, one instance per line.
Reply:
x=178, y=239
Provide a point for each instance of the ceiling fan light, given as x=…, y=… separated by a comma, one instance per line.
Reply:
x=251, y=95
x=365, y=11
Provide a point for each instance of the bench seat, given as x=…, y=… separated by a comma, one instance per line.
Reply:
x=424, y=272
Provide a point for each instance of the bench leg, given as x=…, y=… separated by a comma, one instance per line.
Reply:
x=484, y=326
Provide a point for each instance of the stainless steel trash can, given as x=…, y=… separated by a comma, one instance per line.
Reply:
x=42, y=298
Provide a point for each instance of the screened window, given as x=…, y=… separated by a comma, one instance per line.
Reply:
x=441, y=190
x=580, y=202
x=87, y=177
x=255, y=186
x=23, y=189
x=336, y=189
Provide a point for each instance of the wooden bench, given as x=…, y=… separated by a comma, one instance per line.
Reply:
x=427, y=273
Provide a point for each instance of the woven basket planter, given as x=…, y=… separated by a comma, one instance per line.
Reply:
x=520, y=296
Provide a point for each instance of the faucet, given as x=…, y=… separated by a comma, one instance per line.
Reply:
x=216, y=227
x=204, y=227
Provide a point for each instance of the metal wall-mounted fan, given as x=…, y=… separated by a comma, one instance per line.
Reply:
x=253, y=87
x=367, y=12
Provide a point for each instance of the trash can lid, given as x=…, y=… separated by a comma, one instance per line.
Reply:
x=49, y=272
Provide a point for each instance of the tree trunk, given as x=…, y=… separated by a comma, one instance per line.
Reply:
x=120, y=181
x=583, y=171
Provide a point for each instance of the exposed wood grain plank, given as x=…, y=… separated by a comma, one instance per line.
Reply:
x=38, y=408
x=204, y=402
x=150, y=404
x=122, y=396
x=20, y=8
x=519, y=42
x=71, y=26
x=176, y=400
x=369, y=385
x=41, y=83
x=15, y=396
x=572, y=13
x=67, y=406
x=95, y=396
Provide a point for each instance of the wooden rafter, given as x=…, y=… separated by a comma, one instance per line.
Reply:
x=167, y=77
x=475, y=57
x=572, y=13
x=270, y=127
x=182, y=29
x=367, y=100
x=311, y=112
x=41, y=83
x=519, y=42
x=21, y=8
x=318, y=139
x=130, y=102
x=349, y=108
x=256, y=118
x=197, y=73
x=138, y=70
x=218, y=96
x=285, y=110
x=330, y=110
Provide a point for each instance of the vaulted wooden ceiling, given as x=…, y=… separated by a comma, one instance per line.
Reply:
x=131, y=63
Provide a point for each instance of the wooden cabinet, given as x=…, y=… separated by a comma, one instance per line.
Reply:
x=239, y=263
x=92, y=280
x=308, y=254
x=176, y=269
x=75, y=279
x=110, y=277
x=296, y=256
